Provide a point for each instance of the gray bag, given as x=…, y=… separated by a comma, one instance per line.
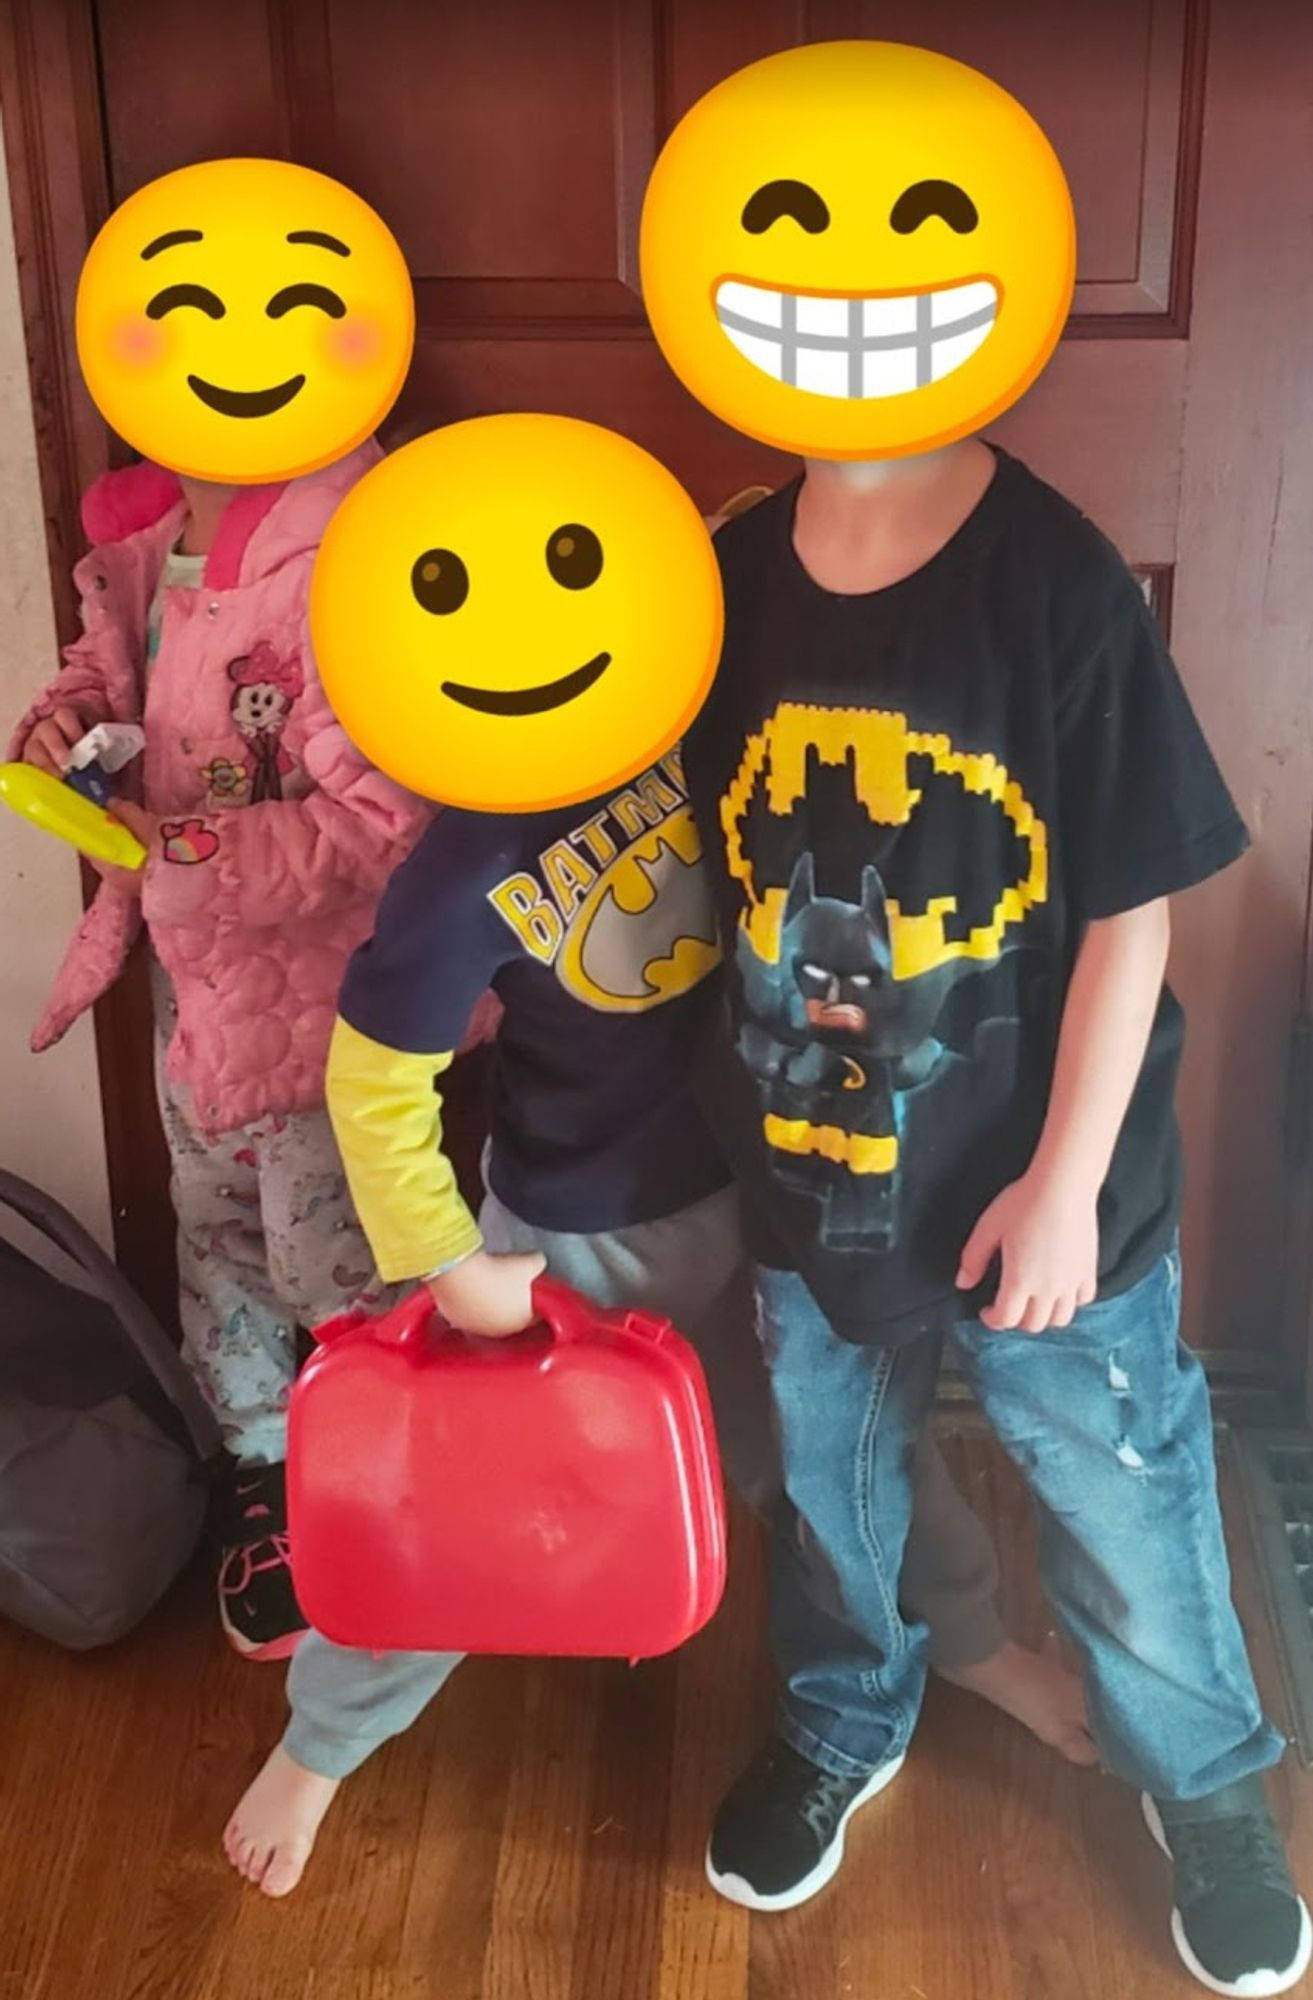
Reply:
x=106, y=1443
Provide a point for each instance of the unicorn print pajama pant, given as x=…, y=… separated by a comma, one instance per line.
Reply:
x=268, y=1243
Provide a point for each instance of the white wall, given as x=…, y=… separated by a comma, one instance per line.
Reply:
x=50, y=1116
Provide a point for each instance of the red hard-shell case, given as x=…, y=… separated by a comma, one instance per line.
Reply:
x=556, y=1493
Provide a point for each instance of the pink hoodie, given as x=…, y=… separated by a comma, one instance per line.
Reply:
x=277, y=836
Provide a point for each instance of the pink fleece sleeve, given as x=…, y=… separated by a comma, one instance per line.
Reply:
x=79, y=685
x=264, y=864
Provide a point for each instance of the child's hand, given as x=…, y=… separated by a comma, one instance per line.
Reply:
x=489, y=1295
x=137, y=820
x=1047, y=1232
x=128, y=881
x=49, y=745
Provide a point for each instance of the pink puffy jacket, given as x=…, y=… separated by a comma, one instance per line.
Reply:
x=277, y=837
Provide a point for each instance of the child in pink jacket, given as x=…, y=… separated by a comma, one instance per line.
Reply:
x=269, y=841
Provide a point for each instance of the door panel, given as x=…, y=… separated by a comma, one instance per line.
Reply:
x=1111, y=87
x=539, y=186
x=509, y=152
x=508, y=145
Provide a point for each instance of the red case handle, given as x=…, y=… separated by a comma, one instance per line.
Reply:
x=565, y=1312
x=570, y=1316
x=403, y=1325
x=567, y=1315
x=408, y=1323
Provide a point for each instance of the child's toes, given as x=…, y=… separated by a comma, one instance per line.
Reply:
x=269, y=1838
x=285, y=1869
x=255, y=1860
x=247, y=1856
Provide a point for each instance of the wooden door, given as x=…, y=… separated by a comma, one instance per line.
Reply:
x=508, y=145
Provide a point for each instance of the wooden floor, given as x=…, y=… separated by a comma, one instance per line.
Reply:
x=539, y=1835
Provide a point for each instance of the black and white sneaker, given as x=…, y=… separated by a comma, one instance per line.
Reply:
x=257, y=1601
x=779, y=1835
x=1239, y=1923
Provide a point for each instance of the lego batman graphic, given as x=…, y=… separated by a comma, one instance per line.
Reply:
x=887, y=876
x=839, y=1048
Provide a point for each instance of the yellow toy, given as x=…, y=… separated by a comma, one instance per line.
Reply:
x=56, y=808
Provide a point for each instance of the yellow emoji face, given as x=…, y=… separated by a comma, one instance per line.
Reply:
x=516, y=612
x=244, y=321
x=857, y=250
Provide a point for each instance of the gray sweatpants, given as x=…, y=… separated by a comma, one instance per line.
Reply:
x=689, y=1266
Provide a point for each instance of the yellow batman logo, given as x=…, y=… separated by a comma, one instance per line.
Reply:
x=878, y=745
x=646, y=930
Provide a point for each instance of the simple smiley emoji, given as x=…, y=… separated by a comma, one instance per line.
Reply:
x=244, y=320
x=857, y=250
x=516, y=612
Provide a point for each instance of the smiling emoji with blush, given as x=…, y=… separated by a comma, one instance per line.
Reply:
x=244, y=321
x=516, y=612
x=857, y=250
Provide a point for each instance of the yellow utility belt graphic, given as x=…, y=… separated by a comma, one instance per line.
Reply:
x=860, y=1152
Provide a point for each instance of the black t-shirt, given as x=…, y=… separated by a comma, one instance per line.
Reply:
x=594, y=925
x=917, y=797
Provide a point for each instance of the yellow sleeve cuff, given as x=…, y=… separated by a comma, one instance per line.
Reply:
x=387, y=1118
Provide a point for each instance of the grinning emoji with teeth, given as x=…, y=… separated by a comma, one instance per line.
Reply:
x=857, y=250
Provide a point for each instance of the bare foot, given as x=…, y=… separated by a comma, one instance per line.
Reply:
x=1037, y=1690
x=271, y=1835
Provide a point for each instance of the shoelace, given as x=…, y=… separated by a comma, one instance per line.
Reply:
x=240, y=1565
x=819, y=1799
x=824, y=1806
x=1238, y=1852
x=253, y=1550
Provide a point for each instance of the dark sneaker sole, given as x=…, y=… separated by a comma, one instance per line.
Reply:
x=736, y=1890
x=1254, y=1985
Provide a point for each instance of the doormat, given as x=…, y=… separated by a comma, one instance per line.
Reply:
x=1276, y=1475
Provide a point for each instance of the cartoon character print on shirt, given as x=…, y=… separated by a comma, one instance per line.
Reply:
x=264, y=690
x=620, y=905
x=887, y=876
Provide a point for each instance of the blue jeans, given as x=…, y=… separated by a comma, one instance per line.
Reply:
x=1109, y=1422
